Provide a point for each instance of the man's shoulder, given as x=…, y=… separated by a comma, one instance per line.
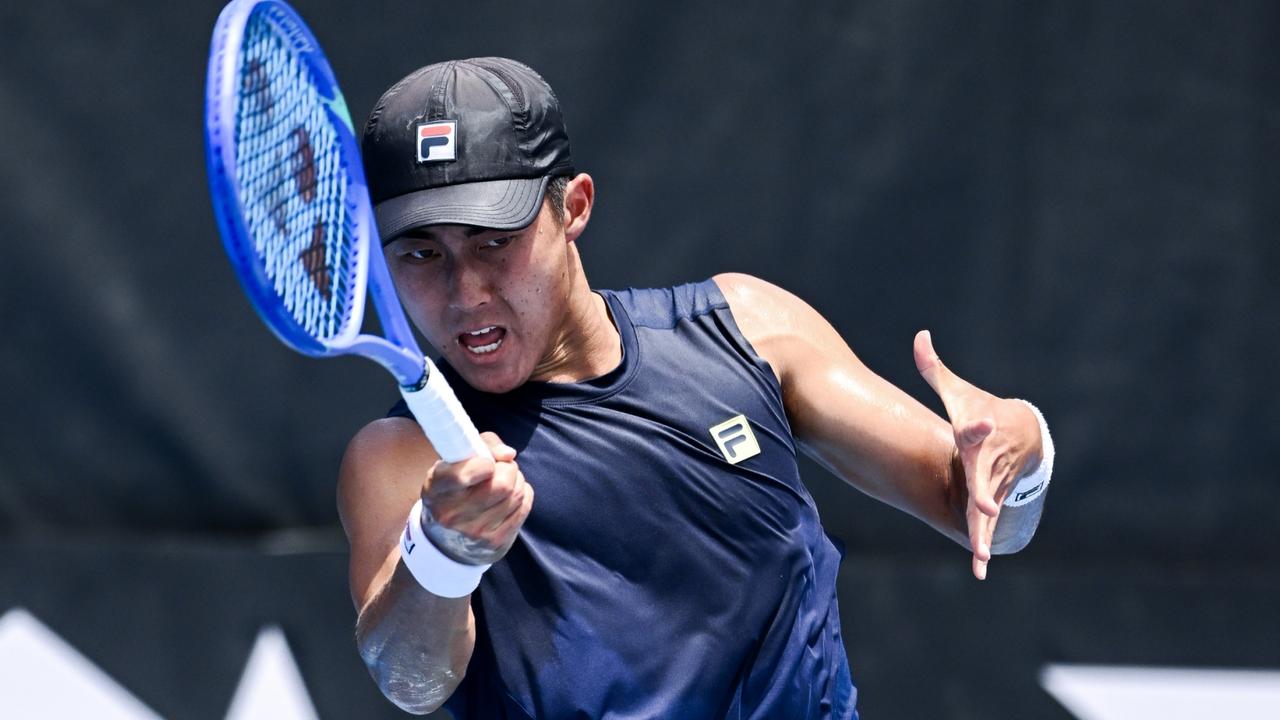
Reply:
x=784, y=329
x=751, y=293
x=665, y=306
x=763, y=312
x=760, y=308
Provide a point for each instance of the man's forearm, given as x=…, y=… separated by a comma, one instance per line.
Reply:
x=415, y=644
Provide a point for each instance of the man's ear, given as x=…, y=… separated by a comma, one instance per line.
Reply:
x=579, y=196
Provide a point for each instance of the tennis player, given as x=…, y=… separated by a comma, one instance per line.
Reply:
x=641, y=544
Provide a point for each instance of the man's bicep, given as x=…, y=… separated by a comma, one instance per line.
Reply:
x=380, y=479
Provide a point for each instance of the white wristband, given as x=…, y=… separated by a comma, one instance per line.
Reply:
x=433, y=570
x=1033, y=485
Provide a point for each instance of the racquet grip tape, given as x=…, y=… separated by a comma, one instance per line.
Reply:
x=443, y=420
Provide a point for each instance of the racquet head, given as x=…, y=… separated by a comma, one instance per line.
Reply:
x=292, y=204
x=289, y=191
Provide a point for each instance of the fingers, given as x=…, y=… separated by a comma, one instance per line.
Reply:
x=983, y=510
x=484, y=500
x=972, y=422
x=512, y=522
x=980, y=568
x=981, y=529
x=978, y=460
x=929, y=364
x=500, y=450
x=983, y=499
x=499, y=525
x=972, y=434
x=1003, y=476
x=482, y=507
x=452, y=477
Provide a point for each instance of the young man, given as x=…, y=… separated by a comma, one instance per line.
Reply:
x=670, y=563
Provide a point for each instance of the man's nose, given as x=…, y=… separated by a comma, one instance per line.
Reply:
x=469, y=287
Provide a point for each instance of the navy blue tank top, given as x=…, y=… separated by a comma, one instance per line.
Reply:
x=666, y=570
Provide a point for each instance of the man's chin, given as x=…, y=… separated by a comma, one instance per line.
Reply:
x=489, y=380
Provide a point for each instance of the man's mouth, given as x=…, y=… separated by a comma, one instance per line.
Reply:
x=482, y=341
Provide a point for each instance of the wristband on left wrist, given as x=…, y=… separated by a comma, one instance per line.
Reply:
x=1034, y=483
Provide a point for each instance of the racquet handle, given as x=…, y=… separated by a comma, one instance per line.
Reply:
x=443, y=420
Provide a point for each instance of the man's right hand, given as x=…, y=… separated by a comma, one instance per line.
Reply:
x=473, y=510
x=415, y=643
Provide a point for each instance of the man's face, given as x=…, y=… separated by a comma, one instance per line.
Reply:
x=493, y=302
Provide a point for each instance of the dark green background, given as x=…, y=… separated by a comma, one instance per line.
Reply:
x=1078, y=198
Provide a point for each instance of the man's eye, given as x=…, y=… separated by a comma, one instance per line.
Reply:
x=498, y=241
x=421, y=255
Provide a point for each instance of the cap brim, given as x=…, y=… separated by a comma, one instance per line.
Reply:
x=498, y=204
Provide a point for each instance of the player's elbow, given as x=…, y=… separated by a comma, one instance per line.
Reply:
x=409, y=679
x=408, y=695
x=411, y=687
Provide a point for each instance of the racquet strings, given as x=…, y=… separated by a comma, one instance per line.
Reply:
x=292, y=180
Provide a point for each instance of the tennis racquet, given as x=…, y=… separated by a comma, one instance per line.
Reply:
x=291, y=201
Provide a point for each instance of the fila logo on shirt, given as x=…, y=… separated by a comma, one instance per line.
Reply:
x=437, y=141
x=735, y=439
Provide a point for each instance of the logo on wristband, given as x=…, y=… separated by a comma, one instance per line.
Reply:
x=406, y=541
x=1020, y=497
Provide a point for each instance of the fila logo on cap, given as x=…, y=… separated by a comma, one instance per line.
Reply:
x=736, y=441
x=437, y=141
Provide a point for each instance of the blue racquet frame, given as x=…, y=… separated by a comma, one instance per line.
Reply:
x=360, y=263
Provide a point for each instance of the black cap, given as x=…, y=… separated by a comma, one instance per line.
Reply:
x=467, y=142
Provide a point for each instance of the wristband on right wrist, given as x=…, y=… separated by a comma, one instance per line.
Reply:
x=435, y=571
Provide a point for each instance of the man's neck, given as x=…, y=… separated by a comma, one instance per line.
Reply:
x=591, y=347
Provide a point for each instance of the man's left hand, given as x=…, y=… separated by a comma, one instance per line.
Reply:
x=997, y=439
